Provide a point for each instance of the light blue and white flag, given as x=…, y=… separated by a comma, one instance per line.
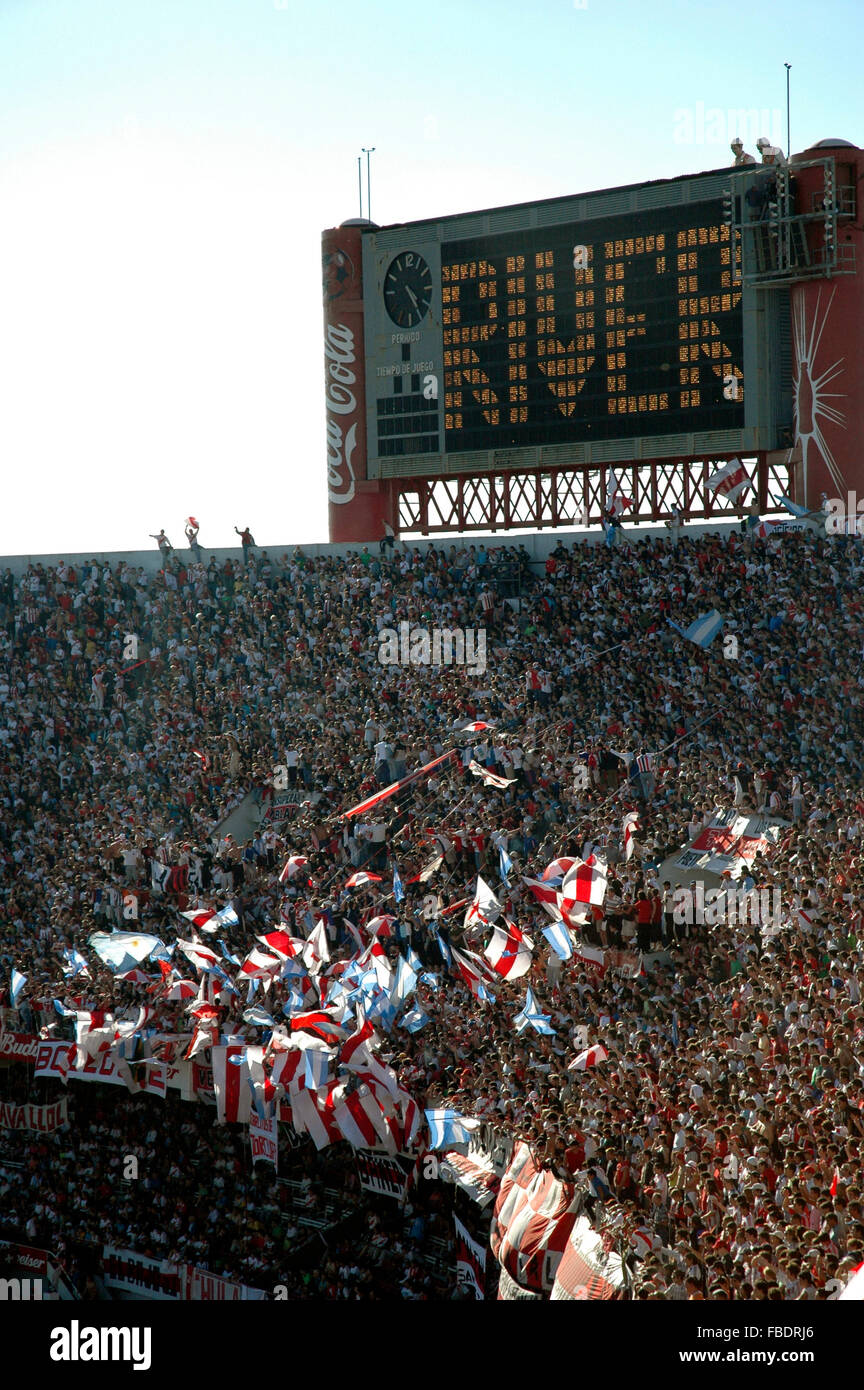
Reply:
x=505, y=864
x=404, y=982
x=448, y=1127
x=532, y=1017
x=18, y=983
x=122, y=950
x=414, y=1020
x=75, y=963
x=559, y=939
x=703, y=630
x=398, y=890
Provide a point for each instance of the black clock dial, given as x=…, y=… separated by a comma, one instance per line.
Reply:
x=407, y=289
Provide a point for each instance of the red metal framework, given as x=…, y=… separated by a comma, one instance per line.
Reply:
x=543, y=499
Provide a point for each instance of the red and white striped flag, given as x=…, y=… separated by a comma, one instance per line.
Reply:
x=629, y=825
x=731, y=480
x=359, y=880
x=489, y=778
x=292, y=866
x=589, y=1058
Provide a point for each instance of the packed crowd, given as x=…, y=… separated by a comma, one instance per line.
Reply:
x=722, y=1136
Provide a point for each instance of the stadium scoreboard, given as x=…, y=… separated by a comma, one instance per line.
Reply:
x=611, y=326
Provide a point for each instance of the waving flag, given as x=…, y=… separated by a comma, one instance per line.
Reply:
x=320, y=1024
x=122, y=950
x=485, y=907
x=703, y=630
x=509, y=951
x=258, y=965
x=584, y=883
x=731, y=480
x=404, y=982
x=446, y=953
x=629, y=825
x=545, y=893
x=616, y=502
x=292, y=866
x=556, y=870
x=363, y=806
x=414, y=1020
x=472, y=976
x=199, y=955
x=75, y=963
x=559, y=939
x=380, y=926
x=589, y=1058
x=488, y=777
x=448, y=1128
x=280, y=944
x=17, y=984
x=398, y=890
x=360, y=880
x=505, y=863
x=532, y=1017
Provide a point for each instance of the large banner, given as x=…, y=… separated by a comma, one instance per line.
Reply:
x=57, y=1060
x=590, y=1268
x=43, y=1118
x=126, y=1272
x=381, y=1174
x=264, y=1139
x=470, y=1261
x=534, y=1215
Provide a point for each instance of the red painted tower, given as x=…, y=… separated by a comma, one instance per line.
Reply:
x=827, y=306
x=357, y=506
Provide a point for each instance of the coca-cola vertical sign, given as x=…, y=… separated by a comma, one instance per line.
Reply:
x=354, y=505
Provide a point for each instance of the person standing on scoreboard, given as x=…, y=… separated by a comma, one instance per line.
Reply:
x=741, y=155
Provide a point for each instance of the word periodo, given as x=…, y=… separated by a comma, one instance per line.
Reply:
x=437, y=646
x=732, y=906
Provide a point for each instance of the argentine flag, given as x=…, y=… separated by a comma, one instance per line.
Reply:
x=448, y=1127
x=559, y=939
x=505, y=863
x=703, y=630
x=398, y=890
x=531, y=1016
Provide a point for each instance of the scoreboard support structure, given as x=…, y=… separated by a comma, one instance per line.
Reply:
x=574, y=498
x=513, y=368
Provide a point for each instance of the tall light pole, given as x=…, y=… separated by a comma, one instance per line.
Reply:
x=787, y=66
x=360, y=181
x=368, y=183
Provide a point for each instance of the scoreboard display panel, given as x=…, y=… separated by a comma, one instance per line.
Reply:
x=623, y=326
x=560, y=324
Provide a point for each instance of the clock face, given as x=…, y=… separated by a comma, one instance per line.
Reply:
x=407, y=289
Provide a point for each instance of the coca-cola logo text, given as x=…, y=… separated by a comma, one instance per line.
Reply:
x=341, y=402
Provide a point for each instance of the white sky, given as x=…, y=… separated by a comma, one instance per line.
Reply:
x=167, y=166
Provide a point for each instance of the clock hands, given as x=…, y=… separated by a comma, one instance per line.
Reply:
x=411, y=295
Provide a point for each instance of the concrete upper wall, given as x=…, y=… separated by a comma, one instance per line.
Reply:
x=538, y=544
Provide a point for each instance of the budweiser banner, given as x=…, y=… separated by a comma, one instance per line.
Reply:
x=264, y=1139
x=43, y=1118
x=18, y=1047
